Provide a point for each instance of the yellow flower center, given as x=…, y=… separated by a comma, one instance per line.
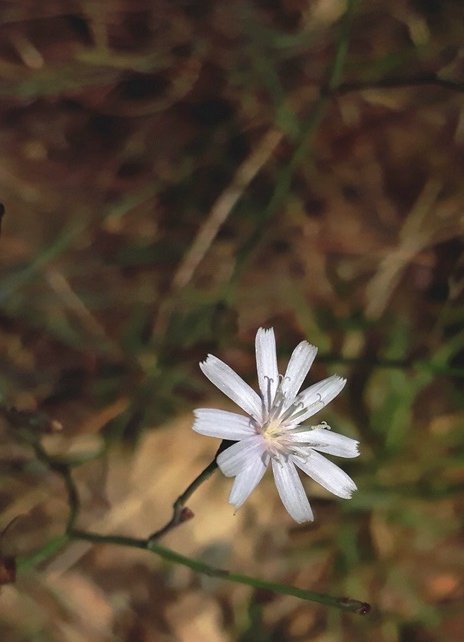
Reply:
x=272, y=429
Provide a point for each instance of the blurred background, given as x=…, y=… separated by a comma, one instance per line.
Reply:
x=175, y=175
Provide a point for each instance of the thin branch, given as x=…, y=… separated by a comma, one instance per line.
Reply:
x=23, y=422
x=50, y=548
x=180, y=513
x=29, y=426
x=63, y=471
x=221, y=209
x=343, y=603
x=216, y=218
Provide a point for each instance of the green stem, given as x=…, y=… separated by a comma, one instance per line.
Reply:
x=44, y=553
x=180, y=513
x=342, y=46
x=343, y=603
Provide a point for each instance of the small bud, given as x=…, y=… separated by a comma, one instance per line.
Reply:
x=7, y=570
x=186, y=514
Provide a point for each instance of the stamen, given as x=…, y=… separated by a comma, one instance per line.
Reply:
x=269, y=401
x=311, y=407
x=284, y=382
x=303, y=454
x=276, y=409
x=279, y=401
x=290, y=412
x=278, y=457
x=253, y=424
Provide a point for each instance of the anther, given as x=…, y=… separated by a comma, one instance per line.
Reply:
x=293, y=412
x=269, y=382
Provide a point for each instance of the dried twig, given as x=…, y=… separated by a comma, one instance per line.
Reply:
x=219, y=213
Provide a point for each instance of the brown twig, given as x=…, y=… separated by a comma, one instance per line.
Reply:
x=216, y=218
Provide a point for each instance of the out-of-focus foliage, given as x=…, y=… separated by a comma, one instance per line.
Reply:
x=123, y=125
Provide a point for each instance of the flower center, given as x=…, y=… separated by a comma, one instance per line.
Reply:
x=279, y=420
x=271, y=429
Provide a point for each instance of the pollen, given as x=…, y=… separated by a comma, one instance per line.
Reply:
x=271, y=429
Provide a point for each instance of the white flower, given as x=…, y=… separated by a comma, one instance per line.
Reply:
x=272, y=432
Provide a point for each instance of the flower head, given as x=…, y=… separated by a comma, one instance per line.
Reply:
x=274, y=430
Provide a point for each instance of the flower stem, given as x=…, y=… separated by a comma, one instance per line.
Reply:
x=180, y=513
x=343, y=603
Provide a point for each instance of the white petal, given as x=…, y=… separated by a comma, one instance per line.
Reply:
x=222, y=424
x=246, y=481
x=240, y=455
x=266, y=364
x=298, y=367
x=232, y=385
x=319, y=395
x=327, y=474
x=291, y=490
x=327, y=441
